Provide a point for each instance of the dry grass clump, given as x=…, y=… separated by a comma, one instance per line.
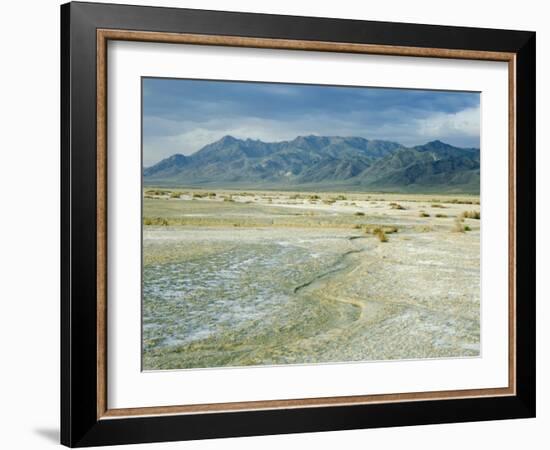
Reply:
x=228, y=199
x=175, y=194
x=423, y=229
x=441, y=216
x=471, y=215
x=394, y=205
x=314, y=197
x=381, y=235
x=359, y=213
x=329, y=201
x=458, y=226
x=424, y=214
x=156, y=192
x=376, y=229
x=438, y=205
x=155, y=221
x=464, y=202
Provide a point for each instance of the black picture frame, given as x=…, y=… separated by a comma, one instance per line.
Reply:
x=80, y=425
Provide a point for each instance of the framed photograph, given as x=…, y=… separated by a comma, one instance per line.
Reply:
x=276, y=224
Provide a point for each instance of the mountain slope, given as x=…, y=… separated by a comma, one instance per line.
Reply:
x=322, y=162
x=428, y=166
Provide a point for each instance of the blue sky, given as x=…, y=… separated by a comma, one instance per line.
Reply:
x=181, y=116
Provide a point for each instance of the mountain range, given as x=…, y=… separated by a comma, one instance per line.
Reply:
x=322, y=163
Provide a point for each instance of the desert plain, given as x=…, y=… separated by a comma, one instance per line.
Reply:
x=249, y=278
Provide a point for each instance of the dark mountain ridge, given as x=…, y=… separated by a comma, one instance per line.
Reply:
x=322, y=162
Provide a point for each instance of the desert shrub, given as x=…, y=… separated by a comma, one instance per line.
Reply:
x=155, y=221
x=156, y=192
x=441, y=216
x=359, y=213
x=394, y=205
x=198, y=195
x=211, y=195
x=314, y=197
x=376, y=229
x=458, y=226
x=228, y=199
x=295, y=197
x=464, y=201
x=471, y=215
x=341, y=197
x=438, y=205
x=424, y=214
x=423, y=228
x=461, y=202
x=175, y=195
x=329, y=201
x=467, y=228
x=381, y=235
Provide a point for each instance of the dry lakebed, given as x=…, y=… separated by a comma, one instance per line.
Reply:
x=234, y=278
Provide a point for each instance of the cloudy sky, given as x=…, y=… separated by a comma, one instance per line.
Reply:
x=181, y=116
